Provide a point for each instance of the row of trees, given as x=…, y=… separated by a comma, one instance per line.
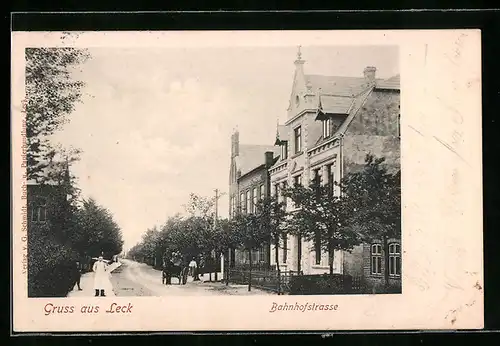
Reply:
x=367, y=208
x=195, y=233
x=71, y=229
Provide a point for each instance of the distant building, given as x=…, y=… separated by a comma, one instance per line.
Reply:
x=248, y=183
x=332, y=123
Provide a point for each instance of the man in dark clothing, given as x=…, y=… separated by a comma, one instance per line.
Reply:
x=77, y=273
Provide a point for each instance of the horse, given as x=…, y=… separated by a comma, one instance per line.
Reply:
x=174, y=269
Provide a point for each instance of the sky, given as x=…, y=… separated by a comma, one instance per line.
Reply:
x=154, y=124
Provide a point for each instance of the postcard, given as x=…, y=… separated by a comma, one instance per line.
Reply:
x=246, y=181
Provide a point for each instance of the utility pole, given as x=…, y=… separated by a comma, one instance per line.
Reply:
x=218, y=195
x=216, y=206
x=215, y=227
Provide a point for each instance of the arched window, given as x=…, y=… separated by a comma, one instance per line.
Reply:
x=394, y=259
x=376, y=259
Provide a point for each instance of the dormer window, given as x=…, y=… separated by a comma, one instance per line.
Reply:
x=284, y=150
x=327, y=127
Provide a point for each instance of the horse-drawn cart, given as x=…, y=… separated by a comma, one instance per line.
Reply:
x=174, y=267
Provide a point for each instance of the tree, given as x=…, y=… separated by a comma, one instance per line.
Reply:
x=97, y=231
x=321, y=217
x=374, y=199
x=51, y=95
x=251, y=234
x=272, y=218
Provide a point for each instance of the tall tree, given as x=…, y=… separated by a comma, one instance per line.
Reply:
x=321, y=217
x=51, y=95
x=272, y=218
x=97, y=231
x=251, y=235
x=373, y=196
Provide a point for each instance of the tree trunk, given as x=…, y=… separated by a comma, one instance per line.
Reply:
x=250, y=271
x=330, y=256
x=386, y=263
x=217, y=262
x=299, y=253
x=276, y=254
x=277, y=258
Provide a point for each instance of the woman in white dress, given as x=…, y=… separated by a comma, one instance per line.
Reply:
x=101, y=277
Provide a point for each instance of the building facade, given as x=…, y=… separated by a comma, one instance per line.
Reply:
x=332, y=123
x=249, y=182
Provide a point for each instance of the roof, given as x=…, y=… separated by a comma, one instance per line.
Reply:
x=251, y=156
x=335, y=104
x=356, y=105
x=48, y=173
x=392, y=83
x=281, y=134
x=337, y=85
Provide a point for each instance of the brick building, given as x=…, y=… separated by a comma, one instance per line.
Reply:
x=248, y=183
x=332, y=123
x=46, y=193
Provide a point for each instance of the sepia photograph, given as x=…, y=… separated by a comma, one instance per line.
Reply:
x=281, y=177
x=308, y=181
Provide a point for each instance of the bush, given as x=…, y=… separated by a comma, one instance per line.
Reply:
x=321, y=284
x=49, y=271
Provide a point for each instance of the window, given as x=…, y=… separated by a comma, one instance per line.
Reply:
x=254, y=206
x=297, y=180
x=376, y=259
x=284, y=150
x=399, y=125
x=330, y=178
x=316, y=176
x=242, y=202
x=327, y=128
x=262, y=192
x=262, y=255
x=255, y=256
x=297, y=100
x=285, y=247
x=249, y=202
x=277, y=191
x=298, y=139
x=394, y=259
x=283, y=189
x=317, y=247
x=39, y=210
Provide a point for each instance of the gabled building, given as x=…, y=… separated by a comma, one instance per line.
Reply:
x=248, y=183
x=332, y=123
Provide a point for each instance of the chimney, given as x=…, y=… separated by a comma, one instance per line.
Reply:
x=235, y=144
x=369, y=73
x=269, y=158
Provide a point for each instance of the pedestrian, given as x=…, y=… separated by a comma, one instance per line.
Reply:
x=77, y=274
x=192, y=267
x=101, y=277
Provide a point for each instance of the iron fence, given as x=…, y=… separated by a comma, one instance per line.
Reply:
x=294, y=282
x=267, y=279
